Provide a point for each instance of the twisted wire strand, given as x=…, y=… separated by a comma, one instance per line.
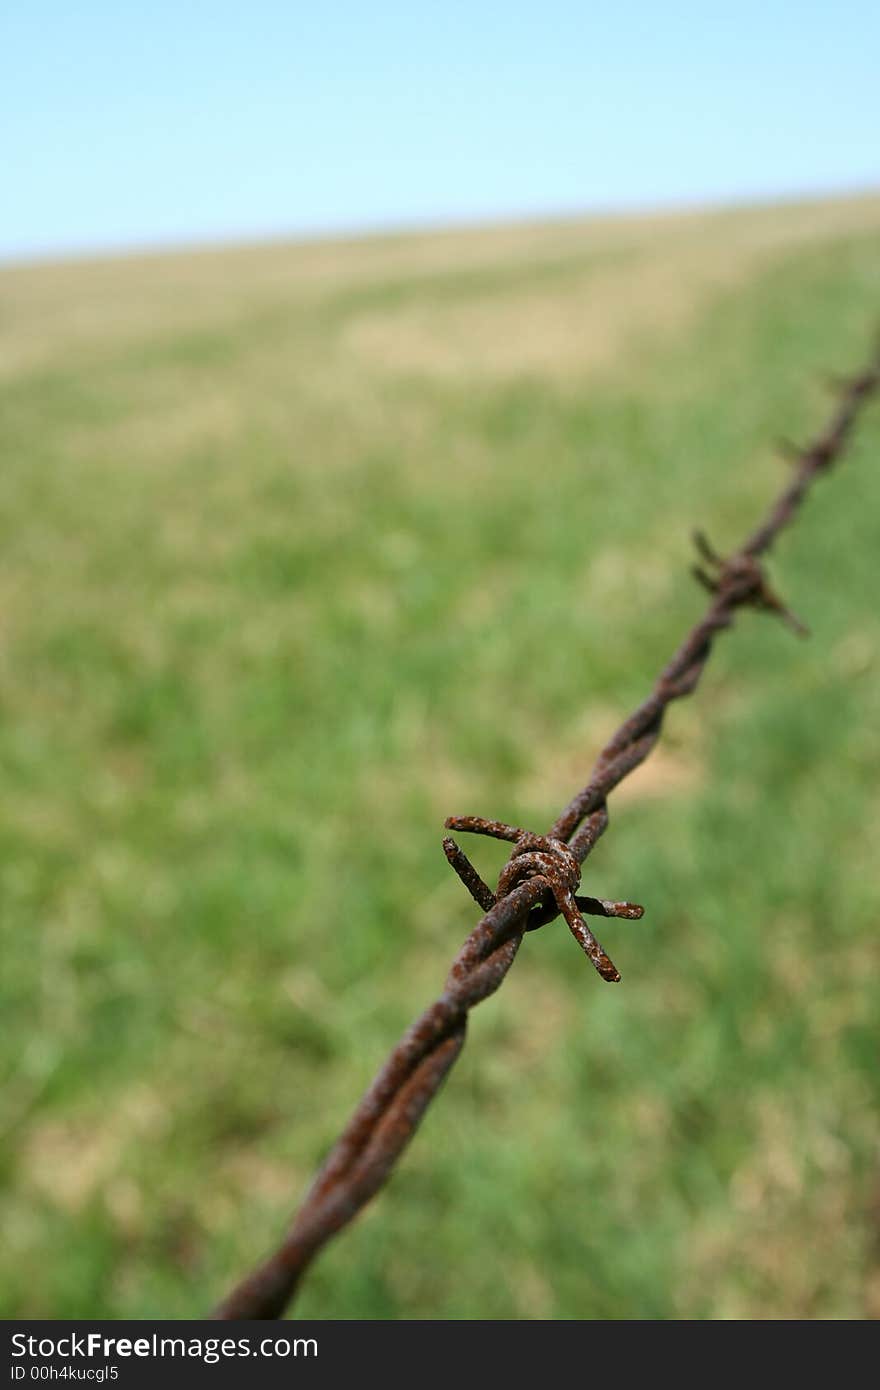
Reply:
x=383, y=1123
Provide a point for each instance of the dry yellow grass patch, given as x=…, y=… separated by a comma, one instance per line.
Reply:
x=588, y=321
x=674, y=768
x=678, y=259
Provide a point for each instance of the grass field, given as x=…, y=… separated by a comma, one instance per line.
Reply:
x=283, y=529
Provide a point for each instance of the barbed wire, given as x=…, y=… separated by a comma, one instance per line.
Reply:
x=538, y=883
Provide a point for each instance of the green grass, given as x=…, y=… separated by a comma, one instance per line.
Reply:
x=305, y=548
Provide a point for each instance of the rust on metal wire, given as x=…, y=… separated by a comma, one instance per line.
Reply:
x=538, y=883
x=545, y=858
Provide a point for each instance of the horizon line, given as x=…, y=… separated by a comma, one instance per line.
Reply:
x=428, y=225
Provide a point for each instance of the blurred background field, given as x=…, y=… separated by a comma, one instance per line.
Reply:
x=284, y=529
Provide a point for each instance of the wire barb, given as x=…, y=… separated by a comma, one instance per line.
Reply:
x=741, y=580
x=549, y=862
x=538, y=882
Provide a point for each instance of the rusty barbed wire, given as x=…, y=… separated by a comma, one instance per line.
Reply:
x=538, y=883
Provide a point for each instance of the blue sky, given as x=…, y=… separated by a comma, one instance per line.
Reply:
x=153, y=123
